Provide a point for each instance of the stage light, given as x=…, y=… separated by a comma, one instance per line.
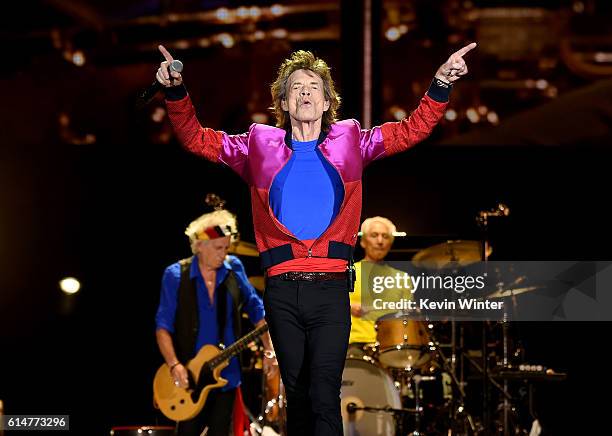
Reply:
x=493, y=118
x=450, y=115
x=472, y=115
x=277, y=10
x=226, y=40
x=259, y=35
x=255, y=12
x=222, y=14
x=482, y=110
x=158, y=114
x=551, y=92
x=181, y=44
x=392, y=34
x=578, y=7
x=78, y=58
x=541, y=84
x=204, y=42
x=398, y=113
x=242, y=12
x=402, y=29
x=601, y=57
x=259, y=118
x=70, y=285
x=279, y=33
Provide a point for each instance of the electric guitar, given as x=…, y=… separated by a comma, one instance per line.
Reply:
x=180, y=404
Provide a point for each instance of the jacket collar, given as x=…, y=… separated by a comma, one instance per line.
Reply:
x=321, y=138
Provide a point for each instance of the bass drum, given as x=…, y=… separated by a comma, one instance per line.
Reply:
x=365, y=384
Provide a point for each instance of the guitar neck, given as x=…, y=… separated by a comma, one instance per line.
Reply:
x=236, y=347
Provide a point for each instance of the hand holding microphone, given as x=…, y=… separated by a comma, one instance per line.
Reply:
x=168, y=75
x=169, y=71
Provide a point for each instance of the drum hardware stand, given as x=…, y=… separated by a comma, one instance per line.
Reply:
x=508, y=399
x=483, y=222
x=450, y=369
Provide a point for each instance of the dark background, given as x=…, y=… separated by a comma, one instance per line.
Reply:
x=111, y=208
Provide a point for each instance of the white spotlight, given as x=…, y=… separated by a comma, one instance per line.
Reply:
x=70, y=285
x=277, y=10
x=393, y=34
x=78, y=58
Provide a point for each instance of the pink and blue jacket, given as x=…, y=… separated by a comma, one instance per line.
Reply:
x=259, y=154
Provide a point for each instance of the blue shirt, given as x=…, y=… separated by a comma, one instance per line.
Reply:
x=207, y=312
x=307, y=192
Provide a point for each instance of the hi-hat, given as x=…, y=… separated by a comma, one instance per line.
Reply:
x=503, y=293
x=450, y=253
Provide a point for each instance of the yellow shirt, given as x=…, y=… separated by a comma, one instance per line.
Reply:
x=362, y=329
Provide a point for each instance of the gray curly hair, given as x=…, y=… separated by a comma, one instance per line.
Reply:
x=222, y=218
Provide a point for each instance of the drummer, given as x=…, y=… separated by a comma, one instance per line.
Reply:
x=376, y=239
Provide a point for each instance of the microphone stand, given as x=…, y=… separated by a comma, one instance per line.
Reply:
x=483, y=223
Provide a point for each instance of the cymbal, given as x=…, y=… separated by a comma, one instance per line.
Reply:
x=502, y=293
x=242, y=248
x=258, y=282
x=450, y=253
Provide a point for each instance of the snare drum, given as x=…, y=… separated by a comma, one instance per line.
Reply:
x=403, y=342
x=365, y=384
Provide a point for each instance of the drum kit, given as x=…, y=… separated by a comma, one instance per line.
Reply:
x=412, y=380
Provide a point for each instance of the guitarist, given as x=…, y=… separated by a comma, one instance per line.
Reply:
x=201, y=300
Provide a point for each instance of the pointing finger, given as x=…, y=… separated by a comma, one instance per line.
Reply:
x=166, y=53
x=461, y=52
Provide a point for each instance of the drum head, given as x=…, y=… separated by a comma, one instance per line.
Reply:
x=365, y=384
x=405, y=356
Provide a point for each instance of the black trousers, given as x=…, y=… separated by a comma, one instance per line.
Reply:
x=216, y=415
x=310, y=324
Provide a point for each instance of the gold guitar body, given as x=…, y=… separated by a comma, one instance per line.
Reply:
x=181, y=404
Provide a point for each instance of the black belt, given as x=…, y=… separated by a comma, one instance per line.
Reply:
x=311, y=276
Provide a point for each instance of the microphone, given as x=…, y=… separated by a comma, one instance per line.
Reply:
x=147, y=95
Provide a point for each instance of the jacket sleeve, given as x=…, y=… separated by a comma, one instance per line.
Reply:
x=395, y=137
x=213, y=145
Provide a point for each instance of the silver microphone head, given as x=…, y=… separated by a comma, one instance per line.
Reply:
x=176, y=65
